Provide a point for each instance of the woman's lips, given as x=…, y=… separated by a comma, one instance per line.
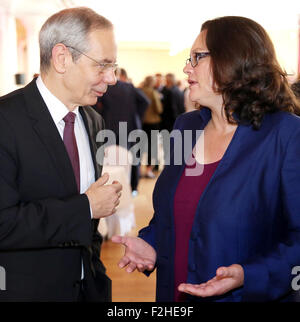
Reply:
x=191, y=82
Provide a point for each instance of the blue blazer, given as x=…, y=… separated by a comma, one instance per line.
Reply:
x=249, y=213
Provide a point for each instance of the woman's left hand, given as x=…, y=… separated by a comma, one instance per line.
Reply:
x=226, y=279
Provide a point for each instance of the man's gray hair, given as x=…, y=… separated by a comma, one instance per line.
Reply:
x=70, y=27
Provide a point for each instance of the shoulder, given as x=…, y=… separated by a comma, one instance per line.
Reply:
x=90, y=111
x=11, y=100
x=193, y=119
x=285, y=123
x=95, y=120
x=13, y=110
x=123, y=85
x=18, y=102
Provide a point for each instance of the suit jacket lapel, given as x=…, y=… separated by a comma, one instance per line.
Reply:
x=92, y=132
x=46, y=129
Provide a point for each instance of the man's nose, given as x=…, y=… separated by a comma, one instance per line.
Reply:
x=110, y=77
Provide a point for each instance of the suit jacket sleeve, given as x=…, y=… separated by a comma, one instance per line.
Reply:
x=43, y=223
x=269, y=277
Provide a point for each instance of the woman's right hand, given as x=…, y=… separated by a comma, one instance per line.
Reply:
x=138, y=254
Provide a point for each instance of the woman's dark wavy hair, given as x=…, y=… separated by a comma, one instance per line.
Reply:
x=245, y=70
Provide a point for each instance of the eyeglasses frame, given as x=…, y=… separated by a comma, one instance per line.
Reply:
x=198, y=57
x=104, y=66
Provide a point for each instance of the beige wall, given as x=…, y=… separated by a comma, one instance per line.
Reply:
x=141, y=61
x=286, y=46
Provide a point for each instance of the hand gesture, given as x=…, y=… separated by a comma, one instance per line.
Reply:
x=138, y=254
x=104, y=198
x=226, y=279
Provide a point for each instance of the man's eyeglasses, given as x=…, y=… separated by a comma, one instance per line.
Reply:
x=194, y=59
x=104, y=66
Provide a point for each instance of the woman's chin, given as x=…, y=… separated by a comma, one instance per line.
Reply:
x=195, y=99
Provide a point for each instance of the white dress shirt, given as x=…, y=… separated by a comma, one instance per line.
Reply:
x=58, y=111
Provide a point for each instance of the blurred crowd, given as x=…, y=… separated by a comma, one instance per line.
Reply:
x=154, y=105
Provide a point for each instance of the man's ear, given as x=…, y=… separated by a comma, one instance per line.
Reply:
x=60, y=58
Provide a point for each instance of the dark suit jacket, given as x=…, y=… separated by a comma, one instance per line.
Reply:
x=123, y=103
x=45, y=225
x=248, y=214
x=173, y=106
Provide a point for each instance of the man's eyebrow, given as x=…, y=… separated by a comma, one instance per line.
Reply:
x=106, y=60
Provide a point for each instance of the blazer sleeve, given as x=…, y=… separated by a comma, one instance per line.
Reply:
x=269, y=277
x=43, y=223
x=148, y=233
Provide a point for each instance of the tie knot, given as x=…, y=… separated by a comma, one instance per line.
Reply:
x=70, y=117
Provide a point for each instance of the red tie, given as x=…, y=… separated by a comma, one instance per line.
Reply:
x=71, y=146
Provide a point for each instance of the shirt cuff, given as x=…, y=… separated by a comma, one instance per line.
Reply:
x=91, y=212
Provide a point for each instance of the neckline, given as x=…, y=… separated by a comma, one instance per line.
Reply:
x=206, y=164
x=211, y=163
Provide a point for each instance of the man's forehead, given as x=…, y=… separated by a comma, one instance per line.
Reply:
x=102, y=42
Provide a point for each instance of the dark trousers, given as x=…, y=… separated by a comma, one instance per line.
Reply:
x=135, y=176
x=148, y=127
x=79, y=285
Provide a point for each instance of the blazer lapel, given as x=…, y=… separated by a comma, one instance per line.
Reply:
x=92, y=132
x=197, y=124
x=46, y=129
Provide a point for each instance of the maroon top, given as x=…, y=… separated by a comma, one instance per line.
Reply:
x=187, y=196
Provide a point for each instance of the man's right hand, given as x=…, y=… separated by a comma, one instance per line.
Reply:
x=138, y=254
x=104, y=198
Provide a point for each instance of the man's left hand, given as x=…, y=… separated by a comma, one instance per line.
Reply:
x=226, y=279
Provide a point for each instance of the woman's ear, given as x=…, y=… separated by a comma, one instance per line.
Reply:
x=60, y=58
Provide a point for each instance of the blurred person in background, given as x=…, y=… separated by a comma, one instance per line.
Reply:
x=122, y=75
x=173, y=106
x=159, y=82
x=173, y=103
x=124, y=103
x=151, y=121
x=230, y=232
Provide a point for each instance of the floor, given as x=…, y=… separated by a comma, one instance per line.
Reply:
x=133, y=287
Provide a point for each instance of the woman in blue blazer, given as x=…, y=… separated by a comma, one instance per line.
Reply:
x=230, y=232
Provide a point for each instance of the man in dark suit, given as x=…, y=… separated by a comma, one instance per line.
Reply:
x=173, y=103
x=50, y=196
x=173, y=106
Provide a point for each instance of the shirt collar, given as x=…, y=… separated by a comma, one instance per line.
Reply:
x=56, y=108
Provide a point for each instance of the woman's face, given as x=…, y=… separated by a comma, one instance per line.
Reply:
x=200, y=77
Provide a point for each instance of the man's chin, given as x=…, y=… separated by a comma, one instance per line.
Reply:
x=90, y=102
